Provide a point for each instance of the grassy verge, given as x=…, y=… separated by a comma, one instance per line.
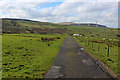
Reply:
x=25, y=55
x=99, y=50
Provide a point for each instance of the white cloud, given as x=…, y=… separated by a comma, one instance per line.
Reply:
x=70, y=11
x=104, y=12
x=91, y=0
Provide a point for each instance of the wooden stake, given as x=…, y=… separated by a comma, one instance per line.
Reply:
x=98, y=47
x=108, y=51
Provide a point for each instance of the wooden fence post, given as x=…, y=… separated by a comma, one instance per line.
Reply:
x=88, y=42
x=98, y=47
x=108, y=50
x=92, y=44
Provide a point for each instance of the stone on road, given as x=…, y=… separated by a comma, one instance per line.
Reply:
x=72, y=62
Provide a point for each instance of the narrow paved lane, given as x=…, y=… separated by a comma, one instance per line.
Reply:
x=72, y=62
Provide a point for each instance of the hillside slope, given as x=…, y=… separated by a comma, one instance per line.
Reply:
x=28, y=26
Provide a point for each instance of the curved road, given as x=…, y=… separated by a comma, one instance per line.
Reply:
x=72, y=62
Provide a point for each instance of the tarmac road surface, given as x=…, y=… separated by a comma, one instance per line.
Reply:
x=72, y=62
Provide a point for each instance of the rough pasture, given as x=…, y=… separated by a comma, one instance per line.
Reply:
x=49, y=38
x=107, y=42
x=98, y=41
x=26, y=56
x=57, y=37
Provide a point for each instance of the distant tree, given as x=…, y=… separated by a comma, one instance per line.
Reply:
x=118, y=35
x=14, y=23
x=90, y=32
x=92, y=35
x=97, y=34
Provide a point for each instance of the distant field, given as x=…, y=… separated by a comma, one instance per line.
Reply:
x=96, y=32
x=25, y=55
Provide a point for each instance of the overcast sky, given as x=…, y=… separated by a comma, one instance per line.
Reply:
x=103, y=11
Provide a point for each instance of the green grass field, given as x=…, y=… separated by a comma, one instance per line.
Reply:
x=25, y=55
x=97, y=32
x=99, y=50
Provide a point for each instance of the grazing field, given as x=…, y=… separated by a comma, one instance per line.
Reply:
x=100, y=50
x=96, y=32
x=27, y=56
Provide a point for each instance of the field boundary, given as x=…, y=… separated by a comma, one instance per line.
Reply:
x=102, y=65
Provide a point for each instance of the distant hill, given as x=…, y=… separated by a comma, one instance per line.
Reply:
x=18, y=19
x=28, y=26
x=82, y=24
x=18, y=26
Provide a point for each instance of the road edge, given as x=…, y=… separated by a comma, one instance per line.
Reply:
x=102, y=65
